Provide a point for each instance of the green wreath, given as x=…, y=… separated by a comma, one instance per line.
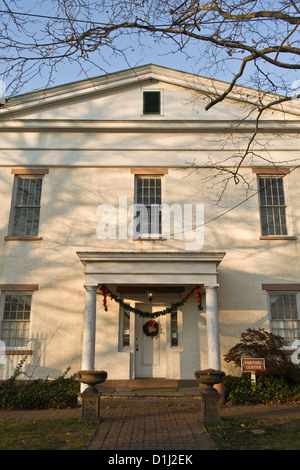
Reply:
x=151, y=328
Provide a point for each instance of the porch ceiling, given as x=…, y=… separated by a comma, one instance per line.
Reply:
x=159, y=268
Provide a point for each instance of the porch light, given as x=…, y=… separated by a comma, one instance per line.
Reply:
x=150, y=293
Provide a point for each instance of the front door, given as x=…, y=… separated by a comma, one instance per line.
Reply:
x=150, y=352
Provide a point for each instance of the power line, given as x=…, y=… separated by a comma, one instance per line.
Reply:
x=234, y=207
x=105, y=24
x=75, y=20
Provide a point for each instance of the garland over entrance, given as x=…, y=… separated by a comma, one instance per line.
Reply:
x=104, y=290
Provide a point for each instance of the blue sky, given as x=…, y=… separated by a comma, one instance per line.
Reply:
x=152, y=52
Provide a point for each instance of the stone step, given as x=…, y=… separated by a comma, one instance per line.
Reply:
x=148, y=384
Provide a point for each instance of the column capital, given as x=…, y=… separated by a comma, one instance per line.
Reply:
x=90, y=287
x=212, y=287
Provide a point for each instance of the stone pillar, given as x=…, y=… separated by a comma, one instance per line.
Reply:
x=89, y=329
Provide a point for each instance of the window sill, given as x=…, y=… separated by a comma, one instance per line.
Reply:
x=149, y=238
x=23, y=238
x=15, y=352
x=277, y=237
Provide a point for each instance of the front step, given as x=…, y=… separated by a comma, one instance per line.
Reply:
x=153, y=384
x=149, y=384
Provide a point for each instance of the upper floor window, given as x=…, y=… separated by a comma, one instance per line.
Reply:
x=26, y=206
x=151, y=102
x=15, y=318
x=284, y=314
x=272, y=206
x=148, y=200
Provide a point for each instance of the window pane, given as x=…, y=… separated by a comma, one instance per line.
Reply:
x=272, y=206
x=16, y=319
x=27, y=207
x=148, y=194
x=174, y=328
x=285, y=316
x=126, y=328
x=151, y=104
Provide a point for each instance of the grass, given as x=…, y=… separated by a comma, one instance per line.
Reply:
x=229, y=434
x=255, y=434
x=48, y=434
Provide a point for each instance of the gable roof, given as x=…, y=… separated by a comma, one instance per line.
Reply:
x=138, y=75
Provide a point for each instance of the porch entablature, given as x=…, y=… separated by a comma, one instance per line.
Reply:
x=164, y=268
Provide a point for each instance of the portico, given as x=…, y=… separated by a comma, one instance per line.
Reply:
x=130, y=272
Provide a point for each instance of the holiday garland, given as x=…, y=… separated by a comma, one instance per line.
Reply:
x=107, y=293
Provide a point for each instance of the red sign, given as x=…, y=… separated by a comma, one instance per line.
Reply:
x=252, y=364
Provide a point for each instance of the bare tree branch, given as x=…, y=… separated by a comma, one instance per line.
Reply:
x=255, y=40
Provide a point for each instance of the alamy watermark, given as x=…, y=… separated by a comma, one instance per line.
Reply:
x=296, y=93
x=2, y=92
x=2, y=352
x=158, y=221
x=295, y=357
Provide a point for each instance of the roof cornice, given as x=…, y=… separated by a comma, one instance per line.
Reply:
x=152, y=126
x=89, y=87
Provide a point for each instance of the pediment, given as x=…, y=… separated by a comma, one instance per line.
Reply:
x=117, y=97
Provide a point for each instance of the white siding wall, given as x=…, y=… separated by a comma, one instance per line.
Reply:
x=79, y=180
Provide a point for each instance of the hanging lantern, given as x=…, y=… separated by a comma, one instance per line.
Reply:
x=150, y=294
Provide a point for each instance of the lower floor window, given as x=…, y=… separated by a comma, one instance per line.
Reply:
x=174, y=328
x=126, y=328
x=284, y=312
x=15, y=322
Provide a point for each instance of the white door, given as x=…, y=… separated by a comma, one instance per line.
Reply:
x=150, y=352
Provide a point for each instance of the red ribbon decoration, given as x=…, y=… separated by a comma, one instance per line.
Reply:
x=198, y=295
x=105, y=292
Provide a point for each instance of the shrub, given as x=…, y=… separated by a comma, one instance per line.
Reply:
x=38, y=394
x=279, y=383
x=261, y=343
x=269, y=389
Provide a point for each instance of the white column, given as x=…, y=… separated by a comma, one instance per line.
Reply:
x=212, y=326
x=89, y=329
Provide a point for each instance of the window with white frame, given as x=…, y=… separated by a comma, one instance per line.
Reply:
x=15, y=318
x=26, y=206
x=284, y=315
x=272, y=206
x=148, y=200
x=125, y=329
x=174, y=328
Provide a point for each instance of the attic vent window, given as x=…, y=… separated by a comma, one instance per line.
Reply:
x=151, y=102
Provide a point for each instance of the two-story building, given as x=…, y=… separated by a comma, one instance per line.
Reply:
x=107, y=226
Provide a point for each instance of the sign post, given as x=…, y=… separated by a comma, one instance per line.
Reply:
x=252, y=364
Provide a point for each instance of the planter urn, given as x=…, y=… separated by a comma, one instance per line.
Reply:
x=90, y=397
x=210, y=398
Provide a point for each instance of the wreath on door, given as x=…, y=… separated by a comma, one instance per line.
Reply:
x=151, y=328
